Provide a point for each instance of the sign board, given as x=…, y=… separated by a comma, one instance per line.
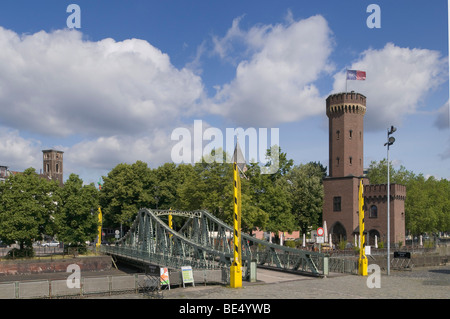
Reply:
x=402, y=254
x=187, y=275
x=320, y=239
x=164, y=277
x=152, y=270
x=320, y=231
x=367, y=250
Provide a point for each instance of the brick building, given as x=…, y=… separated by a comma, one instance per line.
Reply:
x=346, y=112
x=52, y=167
x=4, y=173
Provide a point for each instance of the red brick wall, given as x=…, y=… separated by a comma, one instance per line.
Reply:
x=16, y=267
x=377, y=195
x=347, y=189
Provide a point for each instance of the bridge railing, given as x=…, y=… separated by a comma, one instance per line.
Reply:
x=204, y=242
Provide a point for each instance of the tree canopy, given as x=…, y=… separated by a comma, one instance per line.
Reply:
x=76, y=216
x=290, y=199
x=27, y=208
x=427, y=205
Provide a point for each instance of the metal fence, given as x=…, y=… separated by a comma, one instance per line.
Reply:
x=108, y=285
x=349, y=264
x=343, y=265
x=39, y=251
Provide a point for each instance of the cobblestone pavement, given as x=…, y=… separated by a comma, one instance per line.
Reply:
x=429, y=283
x=420, y=283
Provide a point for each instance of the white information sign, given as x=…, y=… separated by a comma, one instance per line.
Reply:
x=187, y=275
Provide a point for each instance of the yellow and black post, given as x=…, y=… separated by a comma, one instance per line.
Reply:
x=170, y=223
x=99, y=235
x=362, y=263
x=236, y=265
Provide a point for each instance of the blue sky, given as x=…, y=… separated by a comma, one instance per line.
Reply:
x=114, y=90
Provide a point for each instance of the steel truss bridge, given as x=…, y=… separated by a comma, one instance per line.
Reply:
x=206, y=242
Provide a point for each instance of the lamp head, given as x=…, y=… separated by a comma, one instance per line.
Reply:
x=391, y=140
x=392, y=130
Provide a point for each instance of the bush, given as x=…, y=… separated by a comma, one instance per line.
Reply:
x=290, y=243
x=342, y=244
x=75, y=250
x=26, y=252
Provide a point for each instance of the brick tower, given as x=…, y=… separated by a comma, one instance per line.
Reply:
x=53, y=165
x=346, y=112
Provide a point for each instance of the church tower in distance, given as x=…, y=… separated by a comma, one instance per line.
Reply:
x=53, y=165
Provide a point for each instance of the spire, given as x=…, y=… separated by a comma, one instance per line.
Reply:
x=238, y=157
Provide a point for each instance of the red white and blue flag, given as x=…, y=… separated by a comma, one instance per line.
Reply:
x=356, y=75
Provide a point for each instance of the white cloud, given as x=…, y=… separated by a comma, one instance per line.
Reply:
x=59, y=84
x=398, y=79
x=18, y=153
x=276, y=84
x=107, y=152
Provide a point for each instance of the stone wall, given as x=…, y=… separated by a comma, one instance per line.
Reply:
x=17, y=267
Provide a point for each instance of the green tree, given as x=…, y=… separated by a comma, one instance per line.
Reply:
x=166, y=185
x=27, y=208
x=377, y=173
x=307, y=192
x=427, y=199
x=77, y=213
x=270, y=193
x=126, y=189
x=209, y=186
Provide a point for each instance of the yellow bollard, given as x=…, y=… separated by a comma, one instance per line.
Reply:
x=236, y=269
x=362, y=262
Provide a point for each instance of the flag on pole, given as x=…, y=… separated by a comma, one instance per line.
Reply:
x=356, y=75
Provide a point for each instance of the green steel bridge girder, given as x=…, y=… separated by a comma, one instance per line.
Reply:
x=205, y=241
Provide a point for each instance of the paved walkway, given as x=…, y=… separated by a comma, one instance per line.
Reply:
x=420, y=283
x=424, y=283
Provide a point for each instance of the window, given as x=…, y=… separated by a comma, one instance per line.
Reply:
x=351, y=160
x=351, y=133
x=337, y=204
x=47, y=168
x=57, y=168
x=337, y=161
x=338, y=133
x=373, y=213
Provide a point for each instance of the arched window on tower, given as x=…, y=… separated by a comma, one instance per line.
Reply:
x=57, y=168
x=373, y=213
x=338, y=133
x=47, y=168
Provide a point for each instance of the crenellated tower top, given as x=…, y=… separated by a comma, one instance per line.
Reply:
x=349, y=102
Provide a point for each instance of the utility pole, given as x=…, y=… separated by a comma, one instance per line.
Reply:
x=390, y=141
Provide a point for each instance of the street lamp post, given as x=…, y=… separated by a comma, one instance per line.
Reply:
x=390, y=141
